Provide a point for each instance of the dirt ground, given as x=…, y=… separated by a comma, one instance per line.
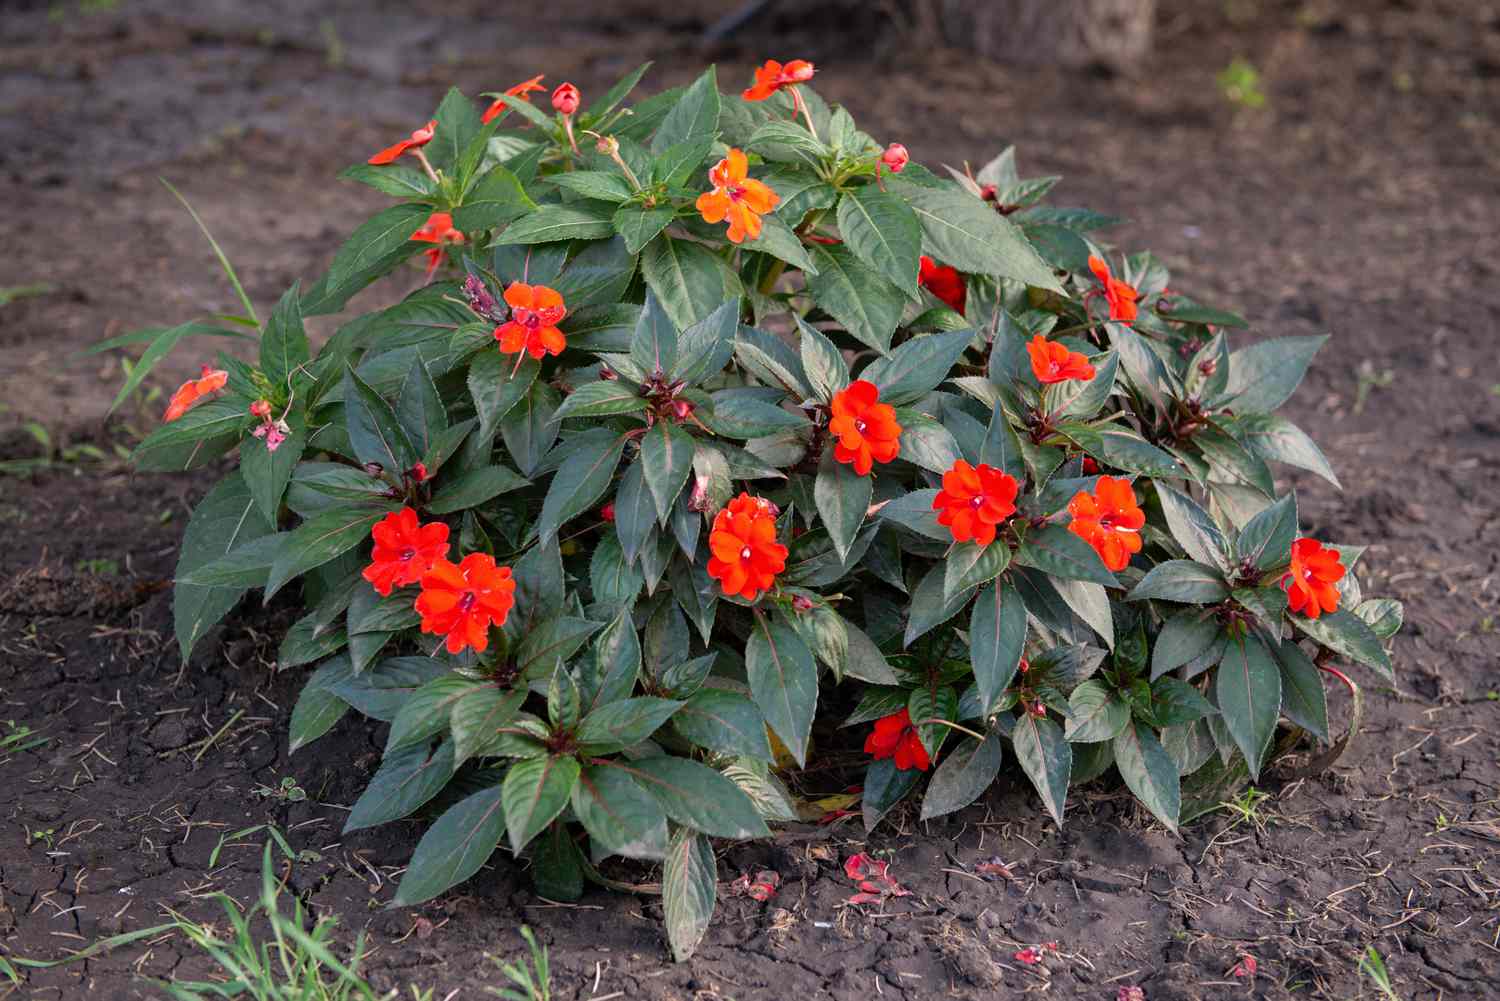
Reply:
x=1362, y=200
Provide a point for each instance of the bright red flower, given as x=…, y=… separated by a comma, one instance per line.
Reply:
x=536, y=310
x=745, y=554
x=1109, y=519
x=866, y=430
x=523, y=90
x=944, y=282
x=739, y=198
x=607, y=512
x=894, y=736
x=895, y=158
x=1120, y=296
x=773, y=76
x=565, y=98
x=1090, y=467
x=1310, y=583
x=418, y=139
x=437, y=229
x=190, y=392
x=463, y=601
x=405, y=549
x=1053, y=362
x=974, y=500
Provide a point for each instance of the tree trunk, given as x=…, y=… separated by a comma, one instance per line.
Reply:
x=1115, y=34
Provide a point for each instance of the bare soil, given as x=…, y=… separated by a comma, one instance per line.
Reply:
x=1361, y=201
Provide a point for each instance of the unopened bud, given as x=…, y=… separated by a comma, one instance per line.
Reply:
x=374, y=468
x=1090, y=467
x=480, y=299
x=1208, y=367
x=607, y=512
x=895, y=158
x=419, y=472
x=565, y=98
x=607, y=374
x=682, y=408
x=801, y=603
x=699, y=499
x=989, y=193
x=261, y=408
x=1025, y=665
x=608, y=145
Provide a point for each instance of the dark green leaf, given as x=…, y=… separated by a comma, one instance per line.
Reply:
x=386, y=234
x=1248, y=691
x=885, y=786
x=580, y=481
x=997, y=636
x=696, y=796
x=1263, y=376
x=624, y=724
x=1046, y=758
x=930, y=608
x=783, y=681
x=1182, y=580
x=1150, y=772
x=495, y=200
x=534, y=793
x=582, y=220
x=319, y=539
x=966, y=233
x=1346, y=633
x=453, y=848
x=1184, y=636
x=666, y=460
x=619, y=815
x=884, y=233
x=1095, y=713
x=1303, y=699
x=1057, y=551
x=318, y=708
x=862, y=301
x=407, y=779
x=473, y=488
x=224, y=520
x=283, y=345
x=724, y=721
x=842, y=496
x=373, y=429
x=694, y=115
x=688, y=279
x=688, y=890
x=1194, y=529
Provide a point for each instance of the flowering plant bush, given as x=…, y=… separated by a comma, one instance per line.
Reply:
x=714, y=413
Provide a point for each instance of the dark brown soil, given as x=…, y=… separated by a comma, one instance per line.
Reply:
x=1362, y=201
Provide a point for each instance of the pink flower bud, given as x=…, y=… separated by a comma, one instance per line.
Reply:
x=565, y=98
x=801, y=603
x=699, y=499
x=274, y=437
x=419, y=472
x=261, y=408
x=895, y=158
x=682, y=408
x=607, y=374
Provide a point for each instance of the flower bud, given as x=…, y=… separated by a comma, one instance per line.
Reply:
x=565, y=98
x=989, y=193
x=607, y=512
x=1208, y=367
x=480, y=300
x=698, y=501
x=608, y=145
x=682, y=408
x=1025, y=665
x=374, y=468
x=895, y=157
x=1090, y=467
x=801, y=603
x=419, y=472
x=607, y=374
x=261, y=408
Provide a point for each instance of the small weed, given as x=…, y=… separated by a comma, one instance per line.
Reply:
x=1240, y=84
x=1369, y=379
x=40, y=834
x=52, y=453
x=288, y=791
x=15, y=292
x=534, y=984
x=98, y=567
x=17, y=738
x=1246, y=808
x=1372, y=966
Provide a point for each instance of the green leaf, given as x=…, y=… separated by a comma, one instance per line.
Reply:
x=635, y=513
x=1150, y=772
x=1187, y=635
x=966, y=233
x=781, y=141
x=640, y=225
x=619, y=725
x=1130, y=452
x=739, y=413
x=688, y=891
x=227, y=518
x=244, y=566
x=926, y=443
x=1266, y=540
x=1248, y=691
x=380, y=692
x=822, y=362
x=1046, y=759
x=1263, y=376
x=885, y=786
x=842, y=497
x=771, y=361
x=653, y=347
x=419, y=409
x=616, y=94
x=476, y=716
x=528, y=427
x=614, y=582
x=724, y=721
x=1175, y=703
x=473, y=488
x=694, y=115
x=1057, y=551
x=865, y=304
x=454, y=848
x=386, y=234
x=601, y=399
x=554, y=638
x=1382, y=615
x=599, y=184
x=457, y=126
x=283, y=345
x=930, y=608
x=319, y=539
x=917, y=367
x=619, y=815
x=997, y=636
x=1277, y=439
x=427, y=710
x=392, y=179
x=1095, y=713
x=884, y=233
x=496, y=199
x=1303, y=700
x=583, y=220
x=373, y=429
x=676, y=164
x=914, y=511
x=970, y=565
x=1194, y=529
x=666, y=460
x=963, y=776
x=1181, y=580
x=783, y=681
x=1346, y=633
x=777, y=239
x=318, y=708
x=196, y=438
x=616, y=665
x=534, y=793
x=688, y=279
x=704, y=348
x=406, y=780
x=580, y=481
x=1002, y=447
x=696, y=796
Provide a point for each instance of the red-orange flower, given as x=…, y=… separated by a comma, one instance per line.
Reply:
x=405, y=549
x=535, y=312
x=737, y=197
x=745, y=554
x=190, y=392
x=418, y=139
x=437, y=229
x=1053, y=362
x=463, y=601
x=523, y=90
x=1120, y=296
x=565, y=98
x=944, y=282
x=1310, y=583
x=894, y=736
x=1109, y=519
x=866, y=430
x=974, y=500
x=773, y=76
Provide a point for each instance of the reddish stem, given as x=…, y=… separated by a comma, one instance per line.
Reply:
x=1339, y=675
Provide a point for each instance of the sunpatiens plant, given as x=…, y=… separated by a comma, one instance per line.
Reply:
x=717, y=423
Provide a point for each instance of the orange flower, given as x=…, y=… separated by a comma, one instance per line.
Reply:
x=942, y=281
x=190, y=392
x=737, y=197
x=418, y=139
x=894, y=736
x=1310, y=583
x=1109, y=519
x=1053, y=362
x=437, y=229
x=536, y=310
x=866, y=430
x=523, y=90
x=405, y=549
x=745, y=554
x=463, y=601
x=974, y=500
x=1121, y=297
x=773, y=76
